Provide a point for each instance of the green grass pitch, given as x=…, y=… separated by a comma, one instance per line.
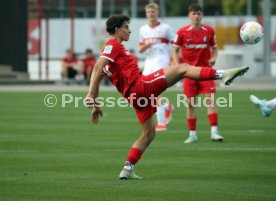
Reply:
x=57, y=154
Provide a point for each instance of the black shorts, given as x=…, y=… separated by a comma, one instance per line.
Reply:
x=71, y=73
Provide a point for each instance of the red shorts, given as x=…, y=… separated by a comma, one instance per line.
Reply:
x=143, y=93
x=194, y=87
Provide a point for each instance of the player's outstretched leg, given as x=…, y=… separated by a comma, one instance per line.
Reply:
x=263, y=105
x=175, y=73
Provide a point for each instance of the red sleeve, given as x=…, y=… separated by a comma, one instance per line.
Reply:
x=178, y=39
x=111, y=51
x=213, y=42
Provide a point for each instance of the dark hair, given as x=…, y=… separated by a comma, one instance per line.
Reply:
x=88, y=51
x=195, y=7
x=115, y=21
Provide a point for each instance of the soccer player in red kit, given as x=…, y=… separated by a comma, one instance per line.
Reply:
x=122, y=70
x=69, y=65
x=198, y=45
x=87, y=63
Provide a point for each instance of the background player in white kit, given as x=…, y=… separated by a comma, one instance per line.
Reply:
x=154, y=40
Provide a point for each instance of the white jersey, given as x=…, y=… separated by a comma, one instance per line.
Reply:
x=157, y=55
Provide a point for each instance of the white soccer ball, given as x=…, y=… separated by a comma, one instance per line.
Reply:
x=251, y=32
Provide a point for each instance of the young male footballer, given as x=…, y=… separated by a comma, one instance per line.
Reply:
x=122, y=70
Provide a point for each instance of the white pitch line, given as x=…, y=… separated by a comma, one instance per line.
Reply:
x=223, y=131
x=185, y=148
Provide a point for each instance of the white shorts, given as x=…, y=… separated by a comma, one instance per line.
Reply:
x=152, y=66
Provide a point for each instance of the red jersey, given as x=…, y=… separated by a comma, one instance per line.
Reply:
x=89, y=62
x=195, y=44
x=71, y=61
x=123, y=69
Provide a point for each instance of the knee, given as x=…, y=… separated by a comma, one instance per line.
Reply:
x=183, y=68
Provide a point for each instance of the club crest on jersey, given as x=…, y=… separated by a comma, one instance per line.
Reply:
x=205, y=39
x=156, y=74
x=108, y=49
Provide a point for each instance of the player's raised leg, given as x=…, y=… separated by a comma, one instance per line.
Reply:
x=137, y=149
x=177, y=72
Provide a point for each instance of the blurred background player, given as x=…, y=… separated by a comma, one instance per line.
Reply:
x=198, y=45
x=87, y=63
x=265, y=106
x=154, y=40
x=69, y=65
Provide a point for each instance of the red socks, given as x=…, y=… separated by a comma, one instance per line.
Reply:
x=207, y=73
x=213, y=119
x=191, y=124
x=134, y=155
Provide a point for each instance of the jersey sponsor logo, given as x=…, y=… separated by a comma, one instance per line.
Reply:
x=196, y=46
x=108, y=49
x=156, y=40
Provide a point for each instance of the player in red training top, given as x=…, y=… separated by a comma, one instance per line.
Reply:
x=198, y=45
x=69, y=64
x=87, y=63
x=122, y=70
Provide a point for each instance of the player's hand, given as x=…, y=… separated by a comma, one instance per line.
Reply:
x=89, y=102
x=148, y=45
x=212, y=61
x=95, y=115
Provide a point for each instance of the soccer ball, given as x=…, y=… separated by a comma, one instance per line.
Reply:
x=251, y=32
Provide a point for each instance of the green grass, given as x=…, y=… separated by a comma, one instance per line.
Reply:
x=57, y=154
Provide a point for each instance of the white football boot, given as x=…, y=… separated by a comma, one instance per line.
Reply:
x=128, y=173
x=191, y=139
x=216, y=137
x=230, y=74
x=262, y=105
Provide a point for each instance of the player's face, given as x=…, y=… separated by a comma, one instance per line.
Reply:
x=195, y=17
x=124, y=32
x=89, y=54
x=152, y=14
x=69, y=54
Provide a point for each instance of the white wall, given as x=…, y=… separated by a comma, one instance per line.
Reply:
x=90, y=33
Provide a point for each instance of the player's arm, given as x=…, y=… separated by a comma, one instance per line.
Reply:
x=91, y=99
x=175, y=56
x=214, y=49
x=214, y=55
x=143, y=47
